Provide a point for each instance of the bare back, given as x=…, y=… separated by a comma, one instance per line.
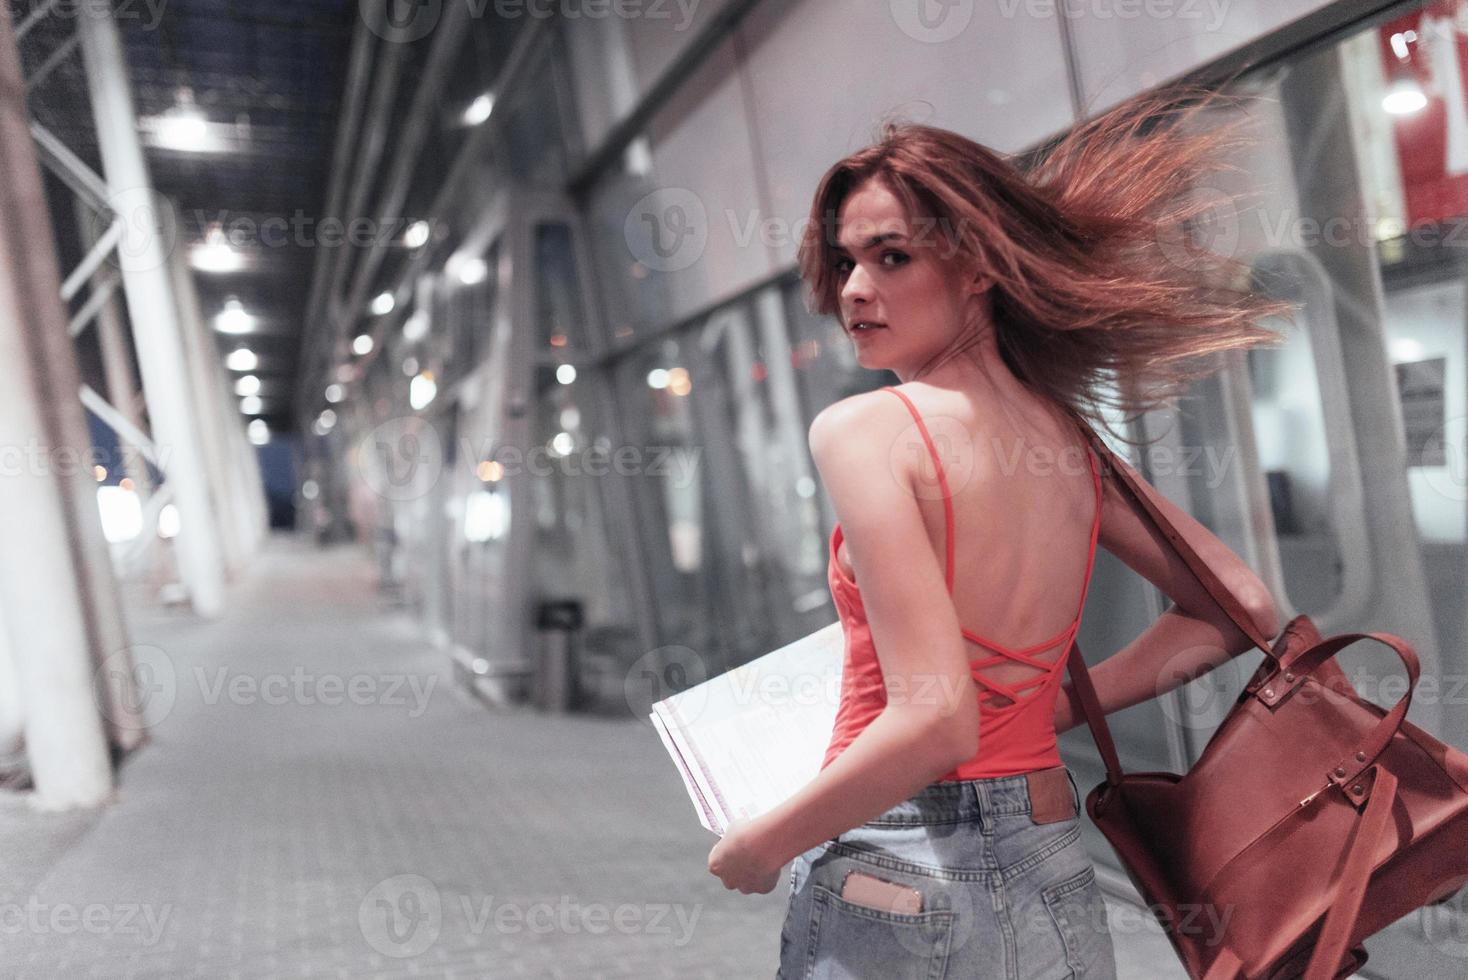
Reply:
x=1024, y=506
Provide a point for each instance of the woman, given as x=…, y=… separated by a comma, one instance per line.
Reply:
x=942, y=834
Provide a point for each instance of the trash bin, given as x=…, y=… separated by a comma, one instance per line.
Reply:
x=557, y=629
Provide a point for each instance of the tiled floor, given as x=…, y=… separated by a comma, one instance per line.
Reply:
x=320, y=800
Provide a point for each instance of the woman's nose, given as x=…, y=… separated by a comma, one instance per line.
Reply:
x=858, y=286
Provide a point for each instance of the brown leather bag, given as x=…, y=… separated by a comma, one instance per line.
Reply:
x=1312, y=819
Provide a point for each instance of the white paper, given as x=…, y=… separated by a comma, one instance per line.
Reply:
x=749, y=739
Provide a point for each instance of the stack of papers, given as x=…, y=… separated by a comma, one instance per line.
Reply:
x=749, y=739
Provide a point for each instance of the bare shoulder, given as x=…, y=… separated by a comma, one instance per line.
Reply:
x=863, y=419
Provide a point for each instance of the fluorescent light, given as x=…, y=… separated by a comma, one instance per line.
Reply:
x=383, y=304
x=479, y=110
x=241, y=359
x=362, y=344
x=234, y=319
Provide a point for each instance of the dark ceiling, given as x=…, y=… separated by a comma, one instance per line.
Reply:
x=270, y=77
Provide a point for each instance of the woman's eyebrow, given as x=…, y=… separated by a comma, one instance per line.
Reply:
x=876, y=240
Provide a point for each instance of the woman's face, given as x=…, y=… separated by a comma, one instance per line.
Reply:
x=892, y=272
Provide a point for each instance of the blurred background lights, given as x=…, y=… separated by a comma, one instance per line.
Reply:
x=310, y=490
x=416, y=326
x=417, y=234
x=241, y=359
x=657, y=378
x=362, y=344
x=479, y=110
x=486, y=516
x=566, y=373
x=248, y=385
x=679, y=383
x=234, y=318
x=168, y=521
x=215, y=254
x=122, y=514
x=334, y=393
x=470, y=270
x=490, y=470
x=562, y=443
x=250, y=404
x=383, y=304
x=258, y=432
x=421, y=390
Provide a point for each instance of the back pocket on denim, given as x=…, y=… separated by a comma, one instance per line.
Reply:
x=850, y=941
x=1079, y=911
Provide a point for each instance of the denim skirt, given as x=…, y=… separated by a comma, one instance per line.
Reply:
x=1002, y=896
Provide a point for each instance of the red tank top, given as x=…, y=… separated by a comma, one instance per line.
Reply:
x=1016, y=736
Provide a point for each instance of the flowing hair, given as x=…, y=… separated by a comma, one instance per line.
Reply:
x=1099, y=281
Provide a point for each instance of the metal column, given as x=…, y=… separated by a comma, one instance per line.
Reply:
x=40, y=575
x=156, y=324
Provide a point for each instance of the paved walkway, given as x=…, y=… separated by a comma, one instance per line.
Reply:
x=321, y=800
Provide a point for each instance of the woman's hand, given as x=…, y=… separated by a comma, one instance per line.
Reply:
x=740, y=863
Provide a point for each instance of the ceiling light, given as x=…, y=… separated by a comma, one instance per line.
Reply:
x=362, y=344
x=1404, y=97
x=233, y=318
x=479, y=110
x=241, y=359
x=183, y=127
x=383, y=304
x=215, y=254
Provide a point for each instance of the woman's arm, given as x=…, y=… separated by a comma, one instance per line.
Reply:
x=931, y=721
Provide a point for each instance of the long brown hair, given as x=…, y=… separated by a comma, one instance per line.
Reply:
x=1092, y=246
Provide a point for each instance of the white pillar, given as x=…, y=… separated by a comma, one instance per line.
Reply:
x=45, y=610
x=151, y=304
